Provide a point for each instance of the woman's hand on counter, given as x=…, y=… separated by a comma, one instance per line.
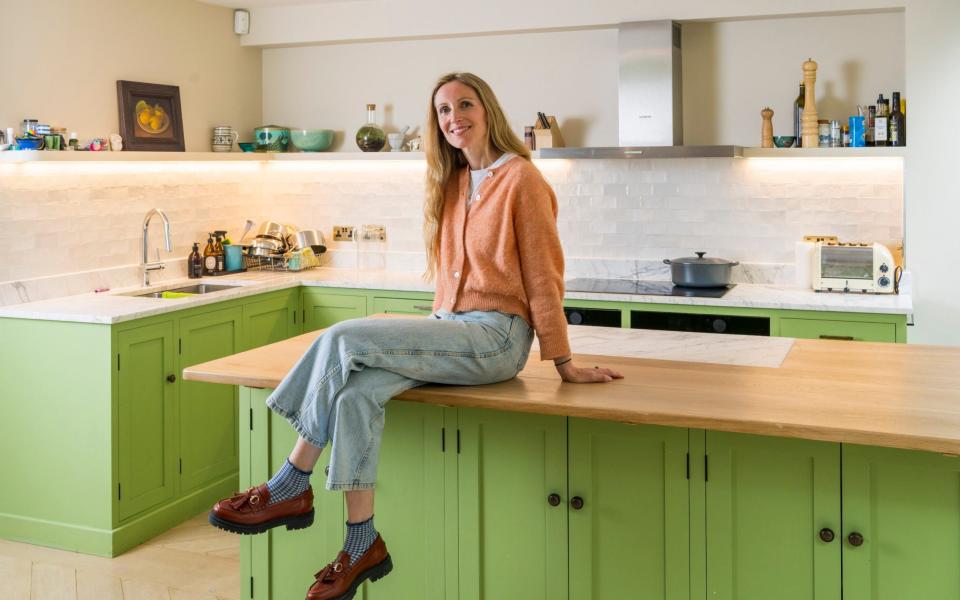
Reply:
x=574, y=374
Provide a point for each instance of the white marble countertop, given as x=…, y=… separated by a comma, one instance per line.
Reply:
x=119, y=305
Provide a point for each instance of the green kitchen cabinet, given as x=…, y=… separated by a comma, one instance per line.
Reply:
x=835, y=329
x=512, y=540
x=411, y=484
x=147, y=417
x=208, y=415
x=905, y=507
x=630, y=531
x=403, y=306
x=769, y=504
x=323, y=309
x=270, y=319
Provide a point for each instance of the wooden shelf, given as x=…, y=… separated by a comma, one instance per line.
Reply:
x=823, y=152
x=26, y=156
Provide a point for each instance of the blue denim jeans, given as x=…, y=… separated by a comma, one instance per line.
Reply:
x=337, y=391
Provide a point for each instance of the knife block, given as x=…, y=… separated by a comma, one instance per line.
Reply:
x=547, y=138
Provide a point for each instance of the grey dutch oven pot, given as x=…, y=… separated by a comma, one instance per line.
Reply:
x=697, y=271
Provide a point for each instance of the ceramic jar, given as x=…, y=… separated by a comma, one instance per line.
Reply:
x=223, y=138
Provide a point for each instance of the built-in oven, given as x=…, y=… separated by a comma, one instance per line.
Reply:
x=701, y=323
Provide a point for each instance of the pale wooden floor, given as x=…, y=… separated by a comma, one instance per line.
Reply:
x=192, y=561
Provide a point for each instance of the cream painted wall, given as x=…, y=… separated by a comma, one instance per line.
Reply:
x=570, y=74
x=732, y=69
x=930, y=174
x=62, y=59
x=729, y=75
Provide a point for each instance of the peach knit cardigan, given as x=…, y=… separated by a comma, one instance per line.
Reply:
x=503, y=251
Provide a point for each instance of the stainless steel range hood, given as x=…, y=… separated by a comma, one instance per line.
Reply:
x=650, y=99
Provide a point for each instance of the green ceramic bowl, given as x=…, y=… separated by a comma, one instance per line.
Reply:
x=247, y=146
x=311, y=140
x=784, y=141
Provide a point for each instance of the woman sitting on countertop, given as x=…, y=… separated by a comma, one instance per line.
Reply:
x=493, y=248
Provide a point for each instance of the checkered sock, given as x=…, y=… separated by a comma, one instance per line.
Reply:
x=360, y=536
x=288, y=482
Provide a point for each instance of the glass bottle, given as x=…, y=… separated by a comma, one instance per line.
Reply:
x=218, y=251
x=195, y=263
x=209, y=257
x=881, y=122
x=798, y=114
x=898, y=131
x=371, y=138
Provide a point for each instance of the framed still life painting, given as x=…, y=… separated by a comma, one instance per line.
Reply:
x=150, y=117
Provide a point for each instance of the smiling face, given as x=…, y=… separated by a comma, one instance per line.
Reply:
x=461, y=117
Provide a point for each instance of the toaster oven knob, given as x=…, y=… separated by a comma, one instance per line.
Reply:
x=884, y=281
x=884, y=268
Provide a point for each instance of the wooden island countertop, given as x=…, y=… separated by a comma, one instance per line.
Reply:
x=896, y=395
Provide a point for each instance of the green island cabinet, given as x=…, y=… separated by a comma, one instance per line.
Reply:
x=136, y=450
x=481, y=504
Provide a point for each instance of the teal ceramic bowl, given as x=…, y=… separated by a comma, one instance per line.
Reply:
x=311, y=140
x=247, y=146
x=271, y=138
x=784, y=141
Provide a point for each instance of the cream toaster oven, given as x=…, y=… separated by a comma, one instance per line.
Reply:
x=866, y=268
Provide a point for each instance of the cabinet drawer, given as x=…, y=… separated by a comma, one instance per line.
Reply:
x=846, y=330
x=402, y=306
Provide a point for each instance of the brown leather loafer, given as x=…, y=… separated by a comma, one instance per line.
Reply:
x=251, y=512
x=339, y=580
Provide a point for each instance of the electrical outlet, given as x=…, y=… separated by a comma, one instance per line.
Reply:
x=343, y=233
x=374, y=233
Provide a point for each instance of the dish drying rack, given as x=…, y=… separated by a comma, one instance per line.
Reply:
x=280, y=262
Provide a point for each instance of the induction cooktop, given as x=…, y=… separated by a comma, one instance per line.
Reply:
x=643, y=288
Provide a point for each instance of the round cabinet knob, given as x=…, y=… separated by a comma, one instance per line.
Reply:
x=855, y=539
x=576, y=503
x=826, y=534
x=575, y=318
x=171, y=378
x=884, y=281
x=719, y=325
x=553, y=499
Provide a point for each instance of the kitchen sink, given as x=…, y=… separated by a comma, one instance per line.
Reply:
x=199, y=288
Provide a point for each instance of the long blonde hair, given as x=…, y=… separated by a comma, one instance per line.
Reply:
x=443, y=160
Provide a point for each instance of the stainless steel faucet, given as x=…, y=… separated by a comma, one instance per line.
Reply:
x=154, y=266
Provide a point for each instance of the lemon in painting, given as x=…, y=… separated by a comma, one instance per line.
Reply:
x=144, y=117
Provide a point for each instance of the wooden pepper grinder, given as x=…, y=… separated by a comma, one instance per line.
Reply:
x=809, y=132
x=766, y=130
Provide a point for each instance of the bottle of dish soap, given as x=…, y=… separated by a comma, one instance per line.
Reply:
x=209, y=257
x=195, y=263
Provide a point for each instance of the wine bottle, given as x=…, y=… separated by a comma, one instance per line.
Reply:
x=209, y=257
x=880, y=123
x=898, y=133
x=798, y=114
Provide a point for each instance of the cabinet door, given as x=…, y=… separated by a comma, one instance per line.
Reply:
x=409, y=502
x=402, y=306
x=767, y=500
x=292, y=557
x=906, y=506
x=146, y=413
x=513, y=543
x=323, y=310
x=838, y=330
x=208, y=411
x=630, y=539
x=268, y=320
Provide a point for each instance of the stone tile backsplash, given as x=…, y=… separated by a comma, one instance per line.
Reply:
x=617, y=218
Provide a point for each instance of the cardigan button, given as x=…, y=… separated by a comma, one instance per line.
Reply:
x=477, y=197
x=456, y=274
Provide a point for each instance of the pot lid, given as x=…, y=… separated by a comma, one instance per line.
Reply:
x=700, y=260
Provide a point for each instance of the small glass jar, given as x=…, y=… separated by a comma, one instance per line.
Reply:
x=836, y=138
x=370, y=138
x=823, y=133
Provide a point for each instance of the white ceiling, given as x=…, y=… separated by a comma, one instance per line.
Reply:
x=267, y=3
